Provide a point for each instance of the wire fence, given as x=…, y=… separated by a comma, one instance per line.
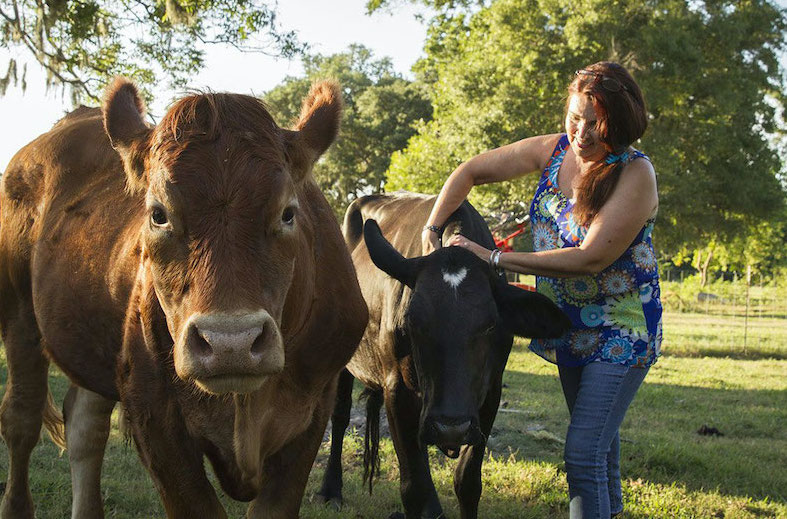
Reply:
x=727, y=317
x=723, y=318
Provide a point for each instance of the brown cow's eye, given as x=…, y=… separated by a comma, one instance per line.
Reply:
x=288, y=216
x=158, y=216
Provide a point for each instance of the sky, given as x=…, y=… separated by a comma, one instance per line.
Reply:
x=329, y=27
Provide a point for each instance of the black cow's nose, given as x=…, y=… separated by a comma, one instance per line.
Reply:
x=451, y=434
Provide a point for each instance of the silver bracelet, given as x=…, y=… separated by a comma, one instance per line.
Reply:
x=434, y=228
x=494, y=257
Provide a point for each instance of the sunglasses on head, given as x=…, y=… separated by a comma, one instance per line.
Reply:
x=607, y=83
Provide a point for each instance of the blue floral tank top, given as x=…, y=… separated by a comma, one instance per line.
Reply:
x=615, y=314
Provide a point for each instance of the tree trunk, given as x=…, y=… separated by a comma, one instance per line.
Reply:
x=703, y=267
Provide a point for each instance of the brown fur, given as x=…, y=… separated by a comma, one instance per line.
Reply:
x=88, y=280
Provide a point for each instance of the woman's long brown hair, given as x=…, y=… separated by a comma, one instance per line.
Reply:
x=621, y=120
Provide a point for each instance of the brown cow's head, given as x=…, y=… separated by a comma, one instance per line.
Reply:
x=222, y=221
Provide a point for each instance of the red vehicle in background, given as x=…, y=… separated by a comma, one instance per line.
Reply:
x=505, y=244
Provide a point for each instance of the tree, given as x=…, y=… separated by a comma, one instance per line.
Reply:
x=761, y=247
x=709, y=70
x=380, y=111
x=82, y=43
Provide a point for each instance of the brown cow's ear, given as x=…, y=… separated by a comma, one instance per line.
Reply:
x=317, y=127
x=123, y=112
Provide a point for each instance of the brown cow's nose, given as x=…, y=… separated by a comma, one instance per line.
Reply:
x=230, y=352
x=216, y=344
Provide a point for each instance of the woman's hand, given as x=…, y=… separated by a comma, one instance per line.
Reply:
x=466, y=243
x=430, y=241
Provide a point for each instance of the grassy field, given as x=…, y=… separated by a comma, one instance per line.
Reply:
x=670, y=471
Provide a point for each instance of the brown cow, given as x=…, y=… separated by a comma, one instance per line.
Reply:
x=208, y=288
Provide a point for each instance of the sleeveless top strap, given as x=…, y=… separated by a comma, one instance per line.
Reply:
x=555, y=160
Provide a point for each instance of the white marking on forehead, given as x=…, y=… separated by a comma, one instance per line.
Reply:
x=454, y=278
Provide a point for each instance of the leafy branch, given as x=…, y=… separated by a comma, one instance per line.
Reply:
x=82, y=43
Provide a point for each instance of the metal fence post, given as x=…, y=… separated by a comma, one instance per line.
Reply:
x=746, y=314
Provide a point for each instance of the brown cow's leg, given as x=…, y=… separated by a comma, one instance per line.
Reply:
x=419, y=496
x=286, y=472
x=166, y=448
x=173, y=460
x=21, y=413
x=87, y=417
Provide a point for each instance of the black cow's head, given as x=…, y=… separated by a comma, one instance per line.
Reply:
x=458, y=326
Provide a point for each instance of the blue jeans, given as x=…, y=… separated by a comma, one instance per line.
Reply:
x=598, y=396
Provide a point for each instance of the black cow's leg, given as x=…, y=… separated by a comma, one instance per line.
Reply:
x=331, y=490
x=467, y=475
x=419, y=496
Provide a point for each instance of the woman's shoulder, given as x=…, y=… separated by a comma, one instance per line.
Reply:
x=549, y=145
x=531, y=154
x=555, y=140
x=633, y=155
x=639, y=166
x=638, y=179
x=547, y=141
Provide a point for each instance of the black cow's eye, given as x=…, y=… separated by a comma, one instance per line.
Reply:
x=288, y=216
x=158, y=216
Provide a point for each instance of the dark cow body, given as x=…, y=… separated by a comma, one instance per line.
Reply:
x=440, y=331
x=208, y=288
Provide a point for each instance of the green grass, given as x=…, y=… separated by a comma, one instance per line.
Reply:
x=669, y=470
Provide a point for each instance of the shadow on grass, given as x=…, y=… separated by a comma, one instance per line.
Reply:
x=661, y=443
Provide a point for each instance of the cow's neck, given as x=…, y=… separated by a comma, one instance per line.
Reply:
x=266, y=420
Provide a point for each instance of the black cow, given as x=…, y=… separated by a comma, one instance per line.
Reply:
x=440, y=331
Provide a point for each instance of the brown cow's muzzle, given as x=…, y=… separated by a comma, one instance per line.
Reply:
x=229, y=353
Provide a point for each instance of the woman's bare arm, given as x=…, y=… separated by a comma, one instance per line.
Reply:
x=504, y=163
x=621, y=218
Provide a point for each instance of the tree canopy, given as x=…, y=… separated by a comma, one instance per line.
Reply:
x=380, y=111
x=709, y=70
x=81, y=44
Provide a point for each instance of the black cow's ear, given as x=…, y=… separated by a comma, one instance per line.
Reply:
x=388, y=259
x=529, y=314
x=123, y=112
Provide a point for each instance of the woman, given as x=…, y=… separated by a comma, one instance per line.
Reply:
x=592, y=217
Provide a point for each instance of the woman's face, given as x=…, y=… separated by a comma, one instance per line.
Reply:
x=581, y=129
